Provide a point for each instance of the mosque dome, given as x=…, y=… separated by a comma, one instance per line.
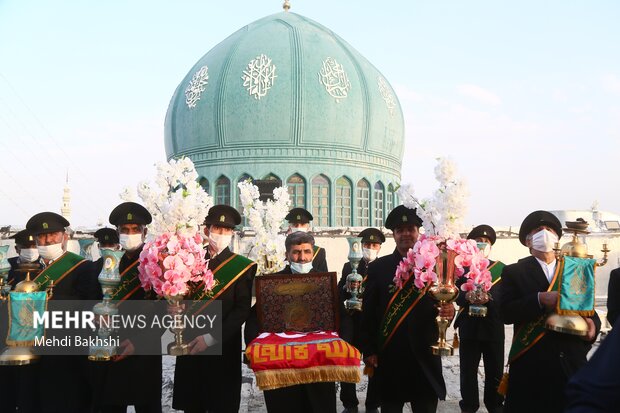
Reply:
x=285, y=99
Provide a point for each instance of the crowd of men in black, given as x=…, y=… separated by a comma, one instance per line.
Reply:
x=551, y=376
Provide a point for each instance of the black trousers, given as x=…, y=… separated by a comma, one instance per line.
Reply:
x=348, y=396
x=426, y=405
x=302, y=398
x=492, y=353
x=154, y=408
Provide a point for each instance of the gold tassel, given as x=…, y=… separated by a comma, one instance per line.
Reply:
x=502, y=389
x=455, y=340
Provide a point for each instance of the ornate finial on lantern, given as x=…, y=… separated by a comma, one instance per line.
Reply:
x=287, y=5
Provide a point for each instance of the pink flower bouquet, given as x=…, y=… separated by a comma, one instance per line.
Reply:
x=170, y=262
x=422, y=258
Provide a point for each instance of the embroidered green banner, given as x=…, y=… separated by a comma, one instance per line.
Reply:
x=22, y=307
x=577, y=287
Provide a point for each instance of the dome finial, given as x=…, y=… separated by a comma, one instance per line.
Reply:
x=286, y=6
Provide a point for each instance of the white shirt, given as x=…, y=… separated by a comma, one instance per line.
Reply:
x=548, y=269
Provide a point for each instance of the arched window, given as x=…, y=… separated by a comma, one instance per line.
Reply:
x=343, y=202
x=242, y=178
x=320, y=201
x=222, y=191
x=204, y=183
x=297, y=191
x=267, y=185
x=378, y=201
x=363, y=203
x=389, y=201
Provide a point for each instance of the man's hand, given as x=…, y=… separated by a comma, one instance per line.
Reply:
x=126, y=348
x=591, y=330
x=197, y=345
x=548, y=299
x=372, y=361
x=447, y=311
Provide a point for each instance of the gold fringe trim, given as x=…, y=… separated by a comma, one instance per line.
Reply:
x=277, y=378
x=584, y=313
x=455, y=340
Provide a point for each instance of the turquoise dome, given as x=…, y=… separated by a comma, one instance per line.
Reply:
x=286, y=96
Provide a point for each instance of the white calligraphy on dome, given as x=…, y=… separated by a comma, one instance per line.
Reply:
x=387, y=94
x=258, y=77
x=335, y=79
x=196, y=86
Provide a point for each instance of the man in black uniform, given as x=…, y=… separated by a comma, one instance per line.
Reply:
x=27, y=254
x=129, y=379
x=299, y=221
x=16, y=381
x=481, y=336
x=207, y=382
x=613, y=296
x=107, y=238
x=317, y=397
x=350, y=321
x=62, y=380
x=541, y=361
x=400, y=353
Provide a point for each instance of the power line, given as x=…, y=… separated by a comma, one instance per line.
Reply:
x=80, y=173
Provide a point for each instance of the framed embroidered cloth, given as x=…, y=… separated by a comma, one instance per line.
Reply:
x=297, y=302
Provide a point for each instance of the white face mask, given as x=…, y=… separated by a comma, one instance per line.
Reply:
x=485, y=247
x=50, y=252
x=131, y=242
x=369, y=254
x=299, y=268
x=299, y=229
x=204, y=236
x=544, y=240
x=28, y=254
x=219, y=242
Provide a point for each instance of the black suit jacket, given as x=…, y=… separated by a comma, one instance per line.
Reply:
x=350, y=321
x=63, y=380
x=542, y=372
x=594, y=389
x=319, y=263
x=613, y=296
x=214, y=382
x=407, y=368
x=135, y=380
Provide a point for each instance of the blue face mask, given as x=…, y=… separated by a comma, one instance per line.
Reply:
x=299, y=268
x=485, y=247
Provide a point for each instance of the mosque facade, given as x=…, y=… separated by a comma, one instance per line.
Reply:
x=286, y=101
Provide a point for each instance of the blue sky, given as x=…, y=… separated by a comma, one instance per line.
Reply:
x=523, y=96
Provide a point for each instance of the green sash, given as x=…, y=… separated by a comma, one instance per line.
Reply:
x=316, y=251
x=400, y=305
x=58, y=270
x=530, y=333
x=496, y=271
x=224, y=276
x=130, y=282
x=577, y=287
